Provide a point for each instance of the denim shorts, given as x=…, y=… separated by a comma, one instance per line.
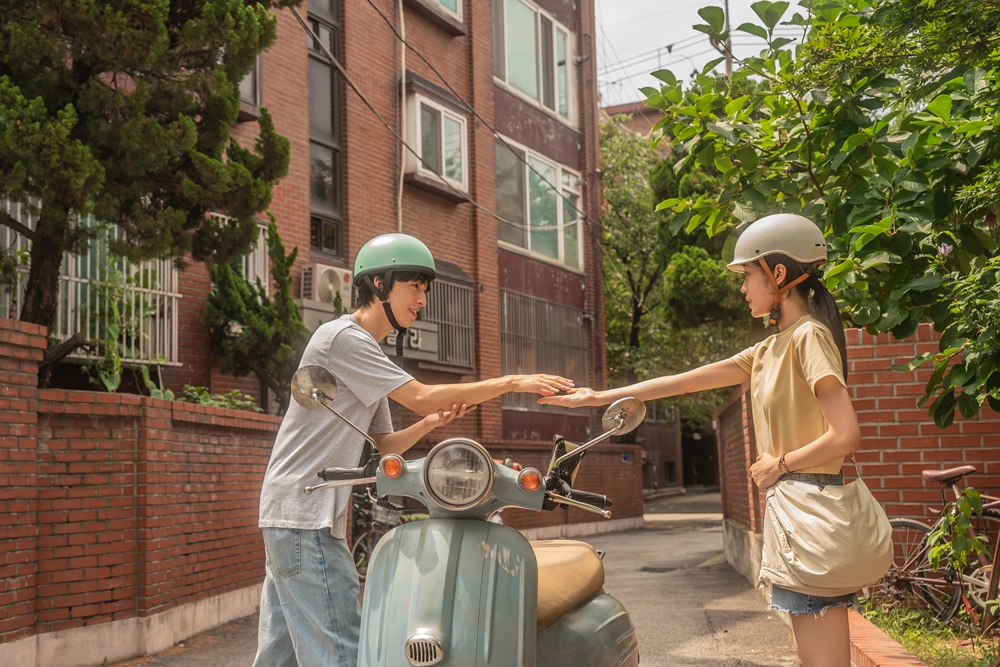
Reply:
x=785, y=600
x=792, y=602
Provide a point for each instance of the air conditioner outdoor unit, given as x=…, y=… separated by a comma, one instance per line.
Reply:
x=323, y=283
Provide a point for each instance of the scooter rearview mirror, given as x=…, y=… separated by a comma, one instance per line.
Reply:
x=624, y=415
x=313, y=386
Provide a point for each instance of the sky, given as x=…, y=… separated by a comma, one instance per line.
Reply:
x=633, y=36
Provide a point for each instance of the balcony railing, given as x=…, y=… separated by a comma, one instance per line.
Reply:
x=101, y=294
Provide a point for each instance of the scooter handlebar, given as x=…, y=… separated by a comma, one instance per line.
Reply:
x=332, y=474
x=595, y=499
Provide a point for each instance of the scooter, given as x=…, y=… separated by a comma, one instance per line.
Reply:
x=458, y=590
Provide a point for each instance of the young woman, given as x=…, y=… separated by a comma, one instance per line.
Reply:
x=803, y=418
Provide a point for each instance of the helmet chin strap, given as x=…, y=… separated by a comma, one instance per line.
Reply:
x=775, y=316
x=383, y=298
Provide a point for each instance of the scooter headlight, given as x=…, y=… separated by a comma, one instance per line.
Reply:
x=458, y=473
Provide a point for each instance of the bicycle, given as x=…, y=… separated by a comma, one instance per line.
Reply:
x=914, y=583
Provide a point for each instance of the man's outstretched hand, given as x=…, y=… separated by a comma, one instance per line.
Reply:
x=546, y=385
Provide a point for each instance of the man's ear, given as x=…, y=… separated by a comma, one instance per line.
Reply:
x=377, y=281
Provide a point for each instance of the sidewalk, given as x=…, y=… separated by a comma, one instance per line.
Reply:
x=689, y=607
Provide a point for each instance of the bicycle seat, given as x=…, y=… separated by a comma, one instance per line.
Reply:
x=949, y=476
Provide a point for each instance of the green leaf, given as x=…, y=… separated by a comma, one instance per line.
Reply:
x=753, y=29
x=736, y=105
x=769, y=12
x=715, y=17
x=666, y=76
x=925, y=282
x=941, y=107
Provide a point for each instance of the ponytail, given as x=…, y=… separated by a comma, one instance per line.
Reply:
x=824, y=307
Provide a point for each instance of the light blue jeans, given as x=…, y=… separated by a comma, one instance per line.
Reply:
x=309, y=615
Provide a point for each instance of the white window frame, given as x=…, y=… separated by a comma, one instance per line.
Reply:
x=447, y=11
x=415, y=102
x=503, y=32
x=562, y=191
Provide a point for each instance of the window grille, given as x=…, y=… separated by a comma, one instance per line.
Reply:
x=98, y=289
x=539, y=336
x=451, y=307
x=257, y=262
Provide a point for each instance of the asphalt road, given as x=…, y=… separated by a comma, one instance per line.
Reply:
x=688, y=605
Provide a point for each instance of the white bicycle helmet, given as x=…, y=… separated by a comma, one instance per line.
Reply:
x=785, y=233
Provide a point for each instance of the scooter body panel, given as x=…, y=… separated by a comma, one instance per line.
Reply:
x=471, y=585
x=599, y=632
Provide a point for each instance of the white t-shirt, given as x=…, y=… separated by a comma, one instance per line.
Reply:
x=309, y=440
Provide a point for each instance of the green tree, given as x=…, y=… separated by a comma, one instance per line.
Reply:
x=254, y=331
x=669, y=305
x=124, y=110
x=878, y=122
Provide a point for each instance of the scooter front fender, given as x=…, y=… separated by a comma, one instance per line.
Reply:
x=454, y=593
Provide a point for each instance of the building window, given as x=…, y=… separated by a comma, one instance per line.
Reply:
x=440, y=137
x=325, y=150
x=250, y=86
x=531, y=53
x=451, y=307
x=539, y=336
x=452, y=8
x=257, y=262
x=538, y=202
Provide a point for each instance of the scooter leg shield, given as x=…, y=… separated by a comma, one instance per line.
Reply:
x=450, y=593
x=597, y=633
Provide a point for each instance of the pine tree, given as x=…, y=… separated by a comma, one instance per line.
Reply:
x=124, y=111
x=254, y=331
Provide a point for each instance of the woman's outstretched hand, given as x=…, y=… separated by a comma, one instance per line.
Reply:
x=577, y=397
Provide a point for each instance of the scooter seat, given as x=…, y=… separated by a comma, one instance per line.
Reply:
x=569, y=572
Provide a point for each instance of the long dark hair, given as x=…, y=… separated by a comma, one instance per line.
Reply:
x=821, y=303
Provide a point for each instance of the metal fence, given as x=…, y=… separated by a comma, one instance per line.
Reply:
x=104, y=297
x=539, y=336
x=451, y=307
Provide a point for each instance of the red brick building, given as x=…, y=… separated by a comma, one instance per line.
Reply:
x=470, y=124
x=498, y=99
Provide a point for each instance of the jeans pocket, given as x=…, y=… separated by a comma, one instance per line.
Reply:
x=284, y=551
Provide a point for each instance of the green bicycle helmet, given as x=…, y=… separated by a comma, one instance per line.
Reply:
x=393, y=252
x=384, y=255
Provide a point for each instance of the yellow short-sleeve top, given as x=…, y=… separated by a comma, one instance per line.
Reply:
x=784, y=369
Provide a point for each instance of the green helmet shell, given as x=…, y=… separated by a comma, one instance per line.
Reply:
x=396, y=252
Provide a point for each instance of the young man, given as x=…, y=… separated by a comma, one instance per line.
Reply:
x=309, y=605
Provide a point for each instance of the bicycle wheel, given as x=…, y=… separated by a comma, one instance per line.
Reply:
x=976, y=576
x=912, y=582
x=362, y=549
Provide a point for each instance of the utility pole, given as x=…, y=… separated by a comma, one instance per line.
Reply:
x=726, y=50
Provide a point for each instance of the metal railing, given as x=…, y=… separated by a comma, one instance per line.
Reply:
x=101, y=294
x=539, y=336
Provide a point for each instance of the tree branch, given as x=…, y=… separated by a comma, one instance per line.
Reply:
x=7, y=220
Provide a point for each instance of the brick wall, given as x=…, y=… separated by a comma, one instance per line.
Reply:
x=21, y=348
x=117, y=505
x=899, y=439
x=120, y=506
